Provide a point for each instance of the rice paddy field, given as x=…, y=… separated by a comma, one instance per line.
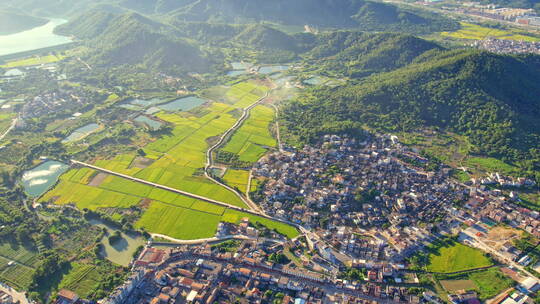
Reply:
x=253, y=138
x=237, y=178
x=36, y=60
x=478, y=32
x=176, y=161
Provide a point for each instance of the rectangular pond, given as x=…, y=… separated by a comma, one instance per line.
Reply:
x=236, y=73
x=41, y=178
x=152, y=124
x=182, y=104
x=270, y=69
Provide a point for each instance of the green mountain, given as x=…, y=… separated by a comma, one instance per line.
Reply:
x=87, y=25
x=133, y=39
x=261, y=36
x=492, y=99
x=11, y=22
x=359, y=54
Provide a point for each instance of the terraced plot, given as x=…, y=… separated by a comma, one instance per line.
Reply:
x=81, y=279
x=253, y=138
x=17, y=265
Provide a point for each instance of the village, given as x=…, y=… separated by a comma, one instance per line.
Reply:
x=502, y=46
x=355, y=245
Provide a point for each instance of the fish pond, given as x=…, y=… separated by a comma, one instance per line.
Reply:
x=121, y=251
x=270, y=69
x=41, y=178
x=81, y=133
x=152, y=124
x=182, y=104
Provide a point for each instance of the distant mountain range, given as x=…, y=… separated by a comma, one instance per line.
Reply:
x=133, y=39
x=359, y=14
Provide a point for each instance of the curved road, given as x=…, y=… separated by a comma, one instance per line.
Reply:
x=210, y=160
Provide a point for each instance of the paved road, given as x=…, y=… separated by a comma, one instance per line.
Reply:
x=214, y=239
x=185, y=193
x=17, y=296
x=142, y=181
x=480, y=244
x=210, y=159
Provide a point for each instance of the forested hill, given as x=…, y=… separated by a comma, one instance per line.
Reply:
x=359, y=54
x=134, y=39
x=492, y=99
x=11, y=22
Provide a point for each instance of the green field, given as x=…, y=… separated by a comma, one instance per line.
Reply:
x=253, y=138
x=20, y=274
x=81, y=279
x=180, y=156
x=178, y=222
x=456, y=257
x=36, y=60
x=487, y=283
x=237, y=179
x=176, y=161
x=490, y=164
x=478, y=32
x=233, y=216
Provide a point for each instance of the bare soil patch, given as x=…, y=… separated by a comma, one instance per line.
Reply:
x=141, y=162
x=98, y=179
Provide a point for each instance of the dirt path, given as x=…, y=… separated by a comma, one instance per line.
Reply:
x=278, y=136
x=13, y=123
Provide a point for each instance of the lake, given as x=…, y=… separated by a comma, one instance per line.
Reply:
x=81, y=133
x=39, y=179
x=183, y=104
x=34, y=39
x=122, y=251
